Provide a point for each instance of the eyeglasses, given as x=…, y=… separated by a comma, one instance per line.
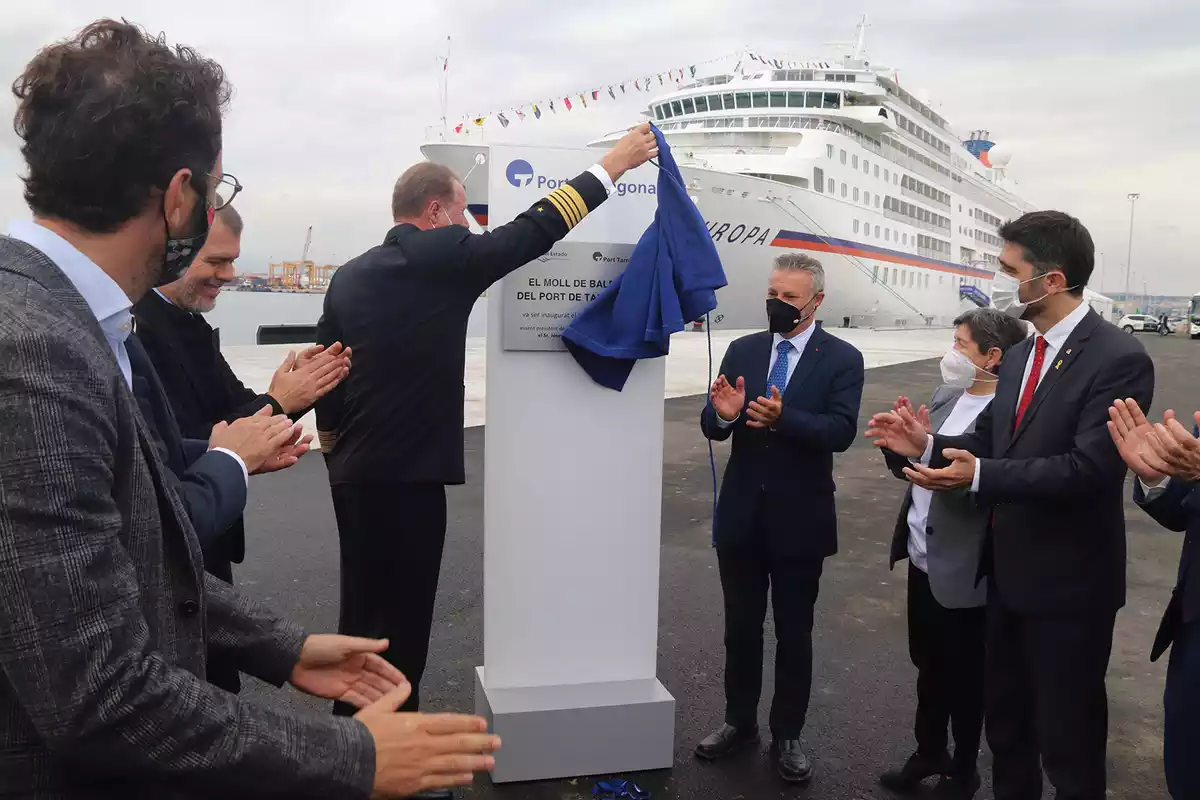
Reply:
x=229, y=185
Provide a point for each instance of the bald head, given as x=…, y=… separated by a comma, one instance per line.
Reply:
x=429, y=196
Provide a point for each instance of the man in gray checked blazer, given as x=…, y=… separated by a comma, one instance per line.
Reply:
x=105, y=610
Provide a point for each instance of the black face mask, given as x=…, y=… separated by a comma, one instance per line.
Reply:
x=181, y=251
x=784, y=317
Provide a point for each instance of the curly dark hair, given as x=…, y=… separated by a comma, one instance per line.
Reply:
x=109, y=117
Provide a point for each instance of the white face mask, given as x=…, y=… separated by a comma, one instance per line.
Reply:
x=1006, y=294
x=959, y=371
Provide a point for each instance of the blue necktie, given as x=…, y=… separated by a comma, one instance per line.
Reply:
x=779, y=370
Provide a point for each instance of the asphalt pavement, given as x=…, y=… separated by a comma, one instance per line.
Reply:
x=863, y=687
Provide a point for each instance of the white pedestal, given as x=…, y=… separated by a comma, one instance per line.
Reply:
x=572, y=523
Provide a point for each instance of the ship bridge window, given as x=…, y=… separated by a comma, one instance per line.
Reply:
x=666, y=107
x=658, y=112
x=832, y=100
x=728, y=99
x=743, y=100
x=676, y=108
x=760, y=100
x=701, y=105
x=795, y=99
x=778, y=99
x=688, y=106
x=714, y=102
x=812, y=99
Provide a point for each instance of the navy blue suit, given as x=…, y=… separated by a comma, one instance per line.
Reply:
x=776, y=520
x=1178, y=509
x=211, y=485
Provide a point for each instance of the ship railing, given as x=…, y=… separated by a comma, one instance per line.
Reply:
x=913, y=195
x=896, y=216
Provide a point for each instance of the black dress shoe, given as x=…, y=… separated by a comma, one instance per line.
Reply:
x=952, y=788
x=918, y=767
x=793, y=763
x=726, y=740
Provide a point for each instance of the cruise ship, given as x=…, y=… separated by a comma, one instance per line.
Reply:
x=836, y=159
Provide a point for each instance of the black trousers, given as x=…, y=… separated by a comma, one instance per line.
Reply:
x=946, y=646
x=1181, y=700
x=221, y=671
x=1046, y=697
x=747, y=572
x=391, y=535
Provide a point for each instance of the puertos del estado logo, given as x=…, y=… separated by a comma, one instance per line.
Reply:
x=520, y=173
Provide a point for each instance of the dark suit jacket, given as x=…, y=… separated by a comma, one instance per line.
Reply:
x=203, y=390
x=786, y=474
x=403, y=307
x=1177, y=509
x=105, y=611
x=955, y=530
x=1056, y=483
x=211, y=485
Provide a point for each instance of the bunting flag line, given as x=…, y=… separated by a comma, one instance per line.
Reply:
x=641, y=84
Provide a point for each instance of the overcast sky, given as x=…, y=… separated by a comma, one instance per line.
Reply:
x=1097, y=98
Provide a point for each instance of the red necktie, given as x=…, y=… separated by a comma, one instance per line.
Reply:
x=1035, y=375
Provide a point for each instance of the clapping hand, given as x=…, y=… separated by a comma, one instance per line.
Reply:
x=1154, y=450
x=900, y=431
x=764, y=412
x=728, y=400
x=959, y=473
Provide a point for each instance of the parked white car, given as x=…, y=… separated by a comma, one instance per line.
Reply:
x=1138, y=322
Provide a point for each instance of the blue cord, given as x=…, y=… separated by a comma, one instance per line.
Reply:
x=712, y=461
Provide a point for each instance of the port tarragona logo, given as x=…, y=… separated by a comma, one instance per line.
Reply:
x=519, y=173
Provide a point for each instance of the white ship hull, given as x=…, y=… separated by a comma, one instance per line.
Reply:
x=752, y=220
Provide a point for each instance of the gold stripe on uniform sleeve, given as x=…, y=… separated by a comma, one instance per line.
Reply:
x=573, y=215
x=574, y=194
x=562, y=210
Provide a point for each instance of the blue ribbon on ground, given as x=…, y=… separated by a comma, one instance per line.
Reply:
x=617, y=789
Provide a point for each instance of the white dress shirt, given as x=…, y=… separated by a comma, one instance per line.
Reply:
x=966, y=409
x=105, y=299
x=798, y=342
x=605, y=180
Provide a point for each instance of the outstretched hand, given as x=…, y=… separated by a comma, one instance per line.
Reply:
x=959, y=473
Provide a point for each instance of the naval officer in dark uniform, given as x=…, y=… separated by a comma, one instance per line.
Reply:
x=393, y=432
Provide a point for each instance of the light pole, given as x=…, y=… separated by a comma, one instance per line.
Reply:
x=1132, y=196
